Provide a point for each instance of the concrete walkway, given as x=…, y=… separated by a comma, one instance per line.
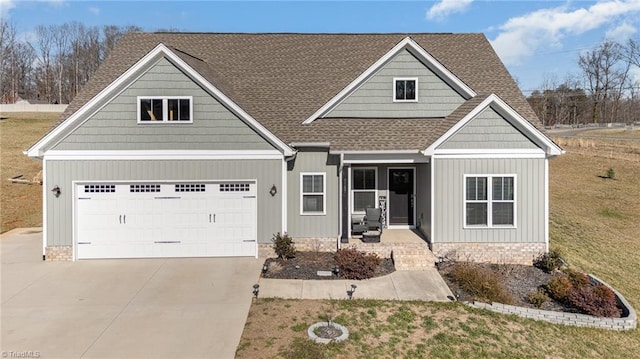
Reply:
x=425, y=285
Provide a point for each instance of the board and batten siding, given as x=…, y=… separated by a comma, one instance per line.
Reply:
x=374, y=99
x=115, y=126
x=313, y=226
x=449, y=200
x=423, y=198
x=488, y=130
x=63, y=172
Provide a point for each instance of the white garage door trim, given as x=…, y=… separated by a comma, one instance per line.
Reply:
x=156, y=219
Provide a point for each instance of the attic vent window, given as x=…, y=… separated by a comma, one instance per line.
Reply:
x=405, y=89
x=165, y=109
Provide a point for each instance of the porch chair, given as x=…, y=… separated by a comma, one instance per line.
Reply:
x=372, y=219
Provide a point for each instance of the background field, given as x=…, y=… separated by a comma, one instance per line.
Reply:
x=594, y=221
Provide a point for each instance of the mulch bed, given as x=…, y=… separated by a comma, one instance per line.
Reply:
x=305, y=265
x=519, y=280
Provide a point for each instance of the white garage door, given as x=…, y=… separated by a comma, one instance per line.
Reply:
x=147, y=220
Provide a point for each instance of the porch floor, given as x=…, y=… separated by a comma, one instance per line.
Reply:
x=407, y=247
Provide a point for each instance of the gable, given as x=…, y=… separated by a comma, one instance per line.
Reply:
x=115, y=125
x=374, y=98
x=488, y=130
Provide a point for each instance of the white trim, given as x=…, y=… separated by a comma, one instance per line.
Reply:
x=490, y=151
x=401, y=226
x=340, y=200
x=492, y=156
x=433, y=202
x=284, y=190
x=382, y=152
x=375, y=190
x=490, y=201
x=546, y=205
x=160, y=49
x=44, y=207
x=505, y=110
x=165, y=109
x=349, y=199
x=165, y=155
x=324, y=193
x=395, y=79
x=406, y=43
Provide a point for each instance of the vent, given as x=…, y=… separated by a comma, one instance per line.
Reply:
x=99, y=188
x=234, y=187
x=190, y=187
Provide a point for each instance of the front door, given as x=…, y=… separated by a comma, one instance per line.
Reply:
x=401, y=196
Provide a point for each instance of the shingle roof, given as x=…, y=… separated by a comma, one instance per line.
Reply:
x=281, y=79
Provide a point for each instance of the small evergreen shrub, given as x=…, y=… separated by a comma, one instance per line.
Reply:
x=611, y=173
x=481, y=283
x=283, y=246
x=355, y=264
x=538, y=298
x=559, y=287
x=549, y=262
x=599, y=301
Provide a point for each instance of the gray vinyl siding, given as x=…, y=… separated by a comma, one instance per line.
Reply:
x=488, y=130
x=62, y=173
x=423, y=198
x=449, y=200
x=374, y=99
x=313, y=226
x=115, y=126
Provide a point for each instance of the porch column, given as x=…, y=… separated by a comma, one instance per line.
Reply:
x=344, y=210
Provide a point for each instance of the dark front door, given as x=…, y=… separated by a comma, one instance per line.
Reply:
x=401, y=196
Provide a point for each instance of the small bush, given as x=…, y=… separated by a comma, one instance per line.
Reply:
x=355, y=264
x=481, y=283
x=599, y=301
x=611, y=173
x=578, y=279
x=538, y=298
x=283, y=246
x=559, y=287
x=549, y=262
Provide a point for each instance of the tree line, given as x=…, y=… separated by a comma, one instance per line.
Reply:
x=603, y=91
x=54, y=65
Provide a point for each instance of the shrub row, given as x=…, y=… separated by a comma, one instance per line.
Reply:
x=481, y=283
x=575, y=289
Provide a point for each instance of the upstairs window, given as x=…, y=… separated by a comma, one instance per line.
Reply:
x=165, y=109
x=405, y=90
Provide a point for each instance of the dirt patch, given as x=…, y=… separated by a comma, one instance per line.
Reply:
x=305, y=265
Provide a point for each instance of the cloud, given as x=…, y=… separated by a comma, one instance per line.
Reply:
x=522, y=36
x=5, y=6
x=94, y=10
x=445, y=8
x=621, y=32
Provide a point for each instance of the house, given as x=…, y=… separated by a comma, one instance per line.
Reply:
x=206, y=144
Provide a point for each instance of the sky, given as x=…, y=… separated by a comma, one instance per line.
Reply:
x=536, y=40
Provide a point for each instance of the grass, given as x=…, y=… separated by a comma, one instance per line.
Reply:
x=21, y=204
x=593, y=221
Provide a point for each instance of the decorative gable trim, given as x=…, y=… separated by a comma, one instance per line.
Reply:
x=406, y=44
x=160, y=50
x=501, y=107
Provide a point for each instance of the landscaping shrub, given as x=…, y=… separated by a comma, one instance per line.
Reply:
x=559, y=287
x=578, y=279
x=538, y=298
x=355, y=264
x=283, y=246
x=549, y=262
x=481, y=283
x=611, y=173
x=599, y=301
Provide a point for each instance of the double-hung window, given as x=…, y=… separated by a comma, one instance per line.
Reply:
x=165, y=109
x=405, y=89
x=312, y=193
x=490, y=201
x=363, y=186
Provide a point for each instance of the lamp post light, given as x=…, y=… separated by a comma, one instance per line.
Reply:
x=256, y=290
x=350, y=292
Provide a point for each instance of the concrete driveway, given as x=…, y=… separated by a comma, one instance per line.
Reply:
x=152, y=308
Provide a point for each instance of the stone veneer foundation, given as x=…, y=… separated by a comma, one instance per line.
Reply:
x=514, y=253
x=58, y=253
x=265, y=250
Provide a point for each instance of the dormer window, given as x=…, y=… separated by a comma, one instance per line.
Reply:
x=165, y=109
x=405, y=89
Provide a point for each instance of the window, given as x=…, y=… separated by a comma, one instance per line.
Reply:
x=161, y=109
x=312, y=193
x=99, y=188
x=405, y=90
x=144, y=188
x=490, y=201
x=190, y=187
x=363, y=186
x=234, y=187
